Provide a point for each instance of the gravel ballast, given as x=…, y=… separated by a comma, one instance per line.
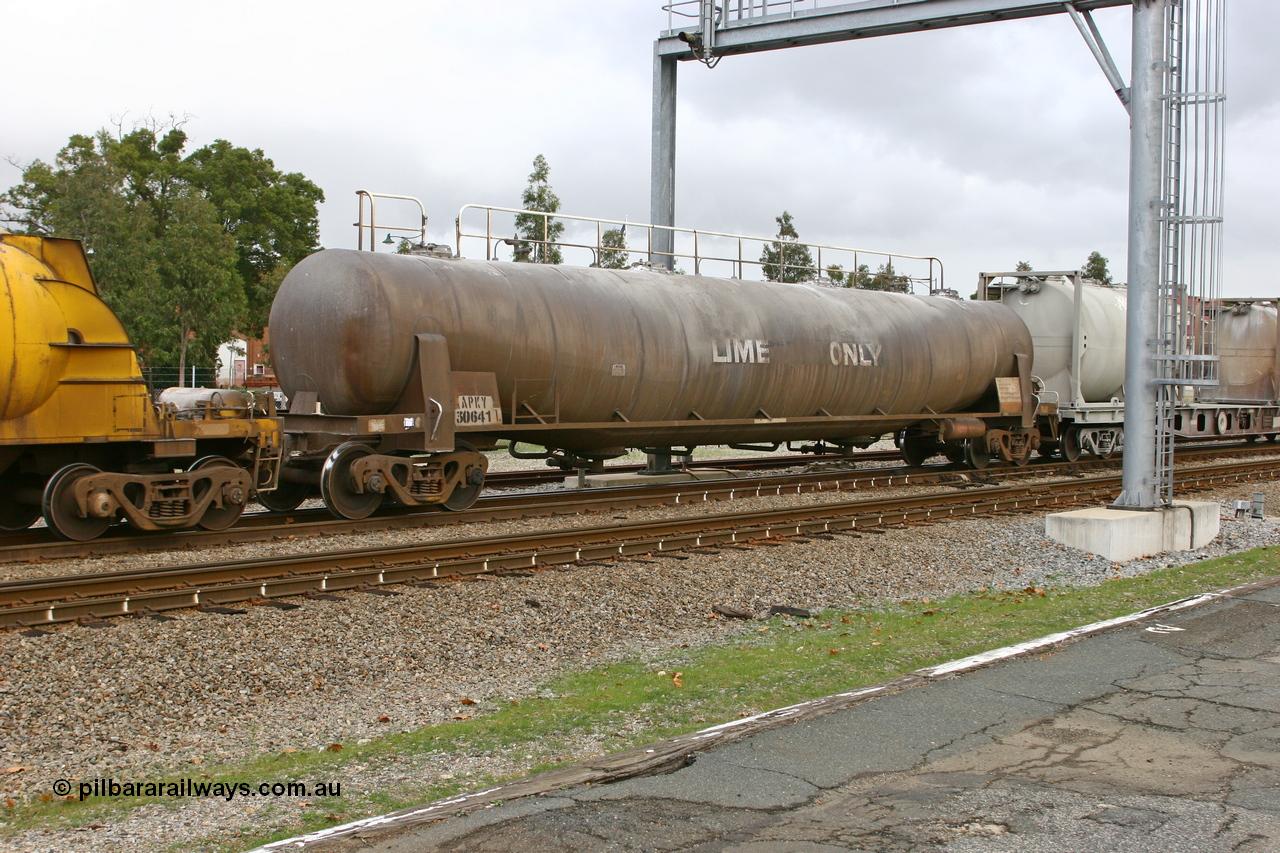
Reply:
x=143, y=697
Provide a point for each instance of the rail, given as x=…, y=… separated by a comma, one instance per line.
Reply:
x=778, y=259
x=54, y=599
x=38, y=544
x=365, y=197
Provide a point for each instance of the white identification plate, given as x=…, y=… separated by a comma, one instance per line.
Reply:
x=475, y=409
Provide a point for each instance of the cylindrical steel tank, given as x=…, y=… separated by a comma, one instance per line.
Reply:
x=1048, y=309
x=1245, y=339
x=30, y=320
x=645, y=345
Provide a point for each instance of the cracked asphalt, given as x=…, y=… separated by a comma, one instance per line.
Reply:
x=1160, y=736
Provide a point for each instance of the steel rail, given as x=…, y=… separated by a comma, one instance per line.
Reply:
x=40, y=543
x=265, y=527
x=94, y=596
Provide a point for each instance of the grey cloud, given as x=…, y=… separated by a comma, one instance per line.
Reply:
x=983, y=145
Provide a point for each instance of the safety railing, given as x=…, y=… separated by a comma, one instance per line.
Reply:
x=367, y=199
x=603, y=243
x=728, y=12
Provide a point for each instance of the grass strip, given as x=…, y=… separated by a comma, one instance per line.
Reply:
x=766, y=665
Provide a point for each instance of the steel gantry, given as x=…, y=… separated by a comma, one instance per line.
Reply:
x=1167, y=348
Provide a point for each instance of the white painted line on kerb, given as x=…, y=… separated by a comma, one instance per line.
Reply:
x=714, y=732
x=978, y=660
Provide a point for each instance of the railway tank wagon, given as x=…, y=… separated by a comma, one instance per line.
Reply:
x=1079, y=357
x=1078, y=329
x=1245, y=334
x=81, y=441
x=400, y=367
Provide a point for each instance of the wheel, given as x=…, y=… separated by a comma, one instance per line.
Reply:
x=1071, y=444
x=59, y=505
x=975, y=454
x=286, y=497
x=464, y=496
x=954, y=451
x=337, y=488
x=217, y=517
x=14, y=514
x=917, y=448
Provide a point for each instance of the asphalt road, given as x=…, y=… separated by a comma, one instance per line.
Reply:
x=1160, y=736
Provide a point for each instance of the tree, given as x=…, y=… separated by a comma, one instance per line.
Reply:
x=860, y=277
x=201, y=286
x=1096, y=268
x=786, y=259
x=887, y=279
x=613, y=249
x=837, y=276
x=186, y=250
x=271, y=215
x=535, y=228
x=1023, y=266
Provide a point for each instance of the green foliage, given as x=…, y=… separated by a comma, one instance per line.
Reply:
x=1096, y=268
x=538, y=196
x=271, y=215
x=860, y=278
x=786, y=259
x=186, y=249
x=837, y=276
x=885, y=279
x=613, y=249
x=1023, y=266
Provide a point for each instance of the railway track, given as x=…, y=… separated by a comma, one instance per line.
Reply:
x=53, y=600
x=40, y=543
x=265, y=527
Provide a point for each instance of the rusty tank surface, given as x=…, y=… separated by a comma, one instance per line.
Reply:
x=587, y=358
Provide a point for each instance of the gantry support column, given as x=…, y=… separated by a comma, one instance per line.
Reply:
x=1145, y=199
x=662, y=182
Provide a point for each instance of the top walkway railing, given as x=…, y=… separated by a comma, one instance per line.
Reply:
x=599, y=242
x=728, y=12
x=626, y=244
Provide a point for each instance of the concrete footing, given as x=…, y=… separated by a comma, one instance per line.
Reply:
x=634, y=478
x=1121, y=534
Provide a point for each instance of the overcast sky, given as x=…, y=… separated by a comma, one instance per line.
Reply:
x=981, y=145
